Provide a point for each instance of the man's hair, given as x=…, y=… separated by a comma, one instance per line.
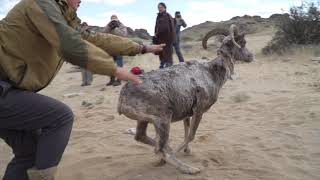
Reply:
x=114, y=17
x=163, y=4
x=178, y=14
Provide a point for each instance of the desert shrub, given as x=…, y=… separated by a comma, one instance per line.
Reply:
x=301, y=27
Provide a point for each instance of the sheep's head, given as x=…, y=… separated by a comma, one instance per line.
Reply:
x=233, y=44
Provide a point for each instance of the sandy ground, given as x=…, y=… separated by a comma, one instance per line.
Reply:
x=265, y=125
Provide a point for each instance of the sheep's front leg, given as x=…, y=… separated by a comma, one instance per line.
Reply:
x=184, y=145
x=141, y=133
x=196, y=119
x=165, y=152
x=186, y=124
x=201, y=98
x=162, y=128
x=194, y=126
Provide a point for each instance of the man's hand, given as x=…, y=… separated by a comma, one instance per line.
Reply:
x=123, y=74
x=154, y=48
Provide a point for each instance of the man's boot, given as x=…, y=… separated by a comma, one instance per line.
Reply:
x=112, y=80
x=45, y=174
x=117, y=83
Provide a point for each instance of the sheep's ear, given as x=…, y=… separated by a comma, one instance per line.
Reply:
x=227, y=41
x=220, y=38
x=242, y=35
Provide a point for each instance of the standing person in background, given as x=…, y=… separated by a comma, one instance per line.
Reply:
x=86, y=75
x=115, y=27
x=179, y=22
x=165, y=34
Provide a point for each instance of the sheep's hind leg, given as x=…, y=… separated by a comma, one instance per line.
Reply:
x=165, y=152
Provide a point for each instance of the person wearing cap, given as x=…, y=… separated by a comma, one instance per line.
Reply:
x=115, y=27
x=36, y=38
x=165, y=34
x=179, y=22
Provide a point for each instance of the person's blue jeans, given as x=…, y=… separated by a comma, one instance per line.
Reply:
x=118, y=60
x=176, y=46
x=87, y=77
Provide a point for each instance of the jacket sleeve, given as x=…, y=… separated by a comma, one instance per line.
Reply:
x=112, y=44
x=184, y=24
x=53, y=27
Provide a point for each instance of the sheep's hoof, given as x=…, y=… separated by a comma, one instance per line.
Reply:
x=233, y=77
x=189, y=170
x=187, y=150
x=162, y=162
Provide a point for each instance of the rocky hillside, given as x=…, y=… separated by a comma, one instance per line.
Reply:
x=248, y=24
x=137, y=33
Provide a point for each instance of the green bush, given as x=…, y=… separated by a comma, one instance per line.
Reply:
x=301, y=27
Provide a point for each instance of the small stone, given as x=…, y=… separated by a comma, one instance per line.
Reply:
x=90, y=107
x=87, y=104
x=88, y=115
x=109, y=118
x=286, y=59
x=315, y=59
x=205, y=163
x=100, y=100
x=71, y=95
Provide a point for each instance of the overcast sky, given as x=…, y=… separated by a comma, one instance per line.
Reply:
x=142, y=13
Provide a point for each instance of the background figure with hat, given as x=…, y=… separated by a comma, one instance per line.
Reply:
x=164, y=34
x=115, y=27
x=179, y=22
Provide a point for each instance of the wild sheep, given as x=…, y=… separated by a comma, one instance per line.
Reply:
x=178, y=93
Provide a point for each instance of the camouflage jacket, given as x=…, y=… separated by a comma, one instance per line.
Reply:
x=38, y=35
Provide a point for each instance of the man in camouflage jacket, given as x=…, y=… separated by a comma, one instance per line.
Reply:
x=36, y=37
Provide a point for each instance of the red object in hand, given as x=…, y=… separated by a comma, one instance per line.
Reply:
x=136, y=70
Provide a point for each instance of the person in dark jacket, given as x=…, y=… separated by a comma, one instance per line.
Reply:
x=179, y=22
x=165, y=34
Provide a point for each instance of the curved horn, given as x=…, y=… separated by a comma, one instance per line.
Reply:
x=233, y=29
x=213, y=33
